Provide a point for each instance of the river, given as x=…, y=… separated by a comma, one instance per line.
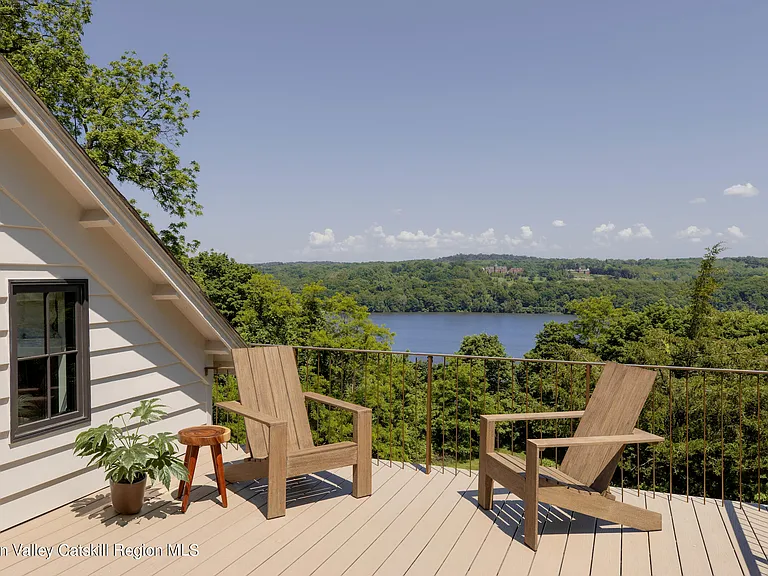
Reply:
x=443, y=333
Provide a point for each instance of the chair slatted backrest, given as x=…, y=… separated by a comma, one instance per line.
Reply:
x=268, y=381
x=614, y=408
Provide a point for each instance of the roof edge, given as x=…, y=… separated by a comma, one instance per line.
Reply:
x=113, y=201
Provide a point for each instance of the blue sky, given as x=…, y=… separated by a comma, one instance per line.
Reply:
x=361, y=131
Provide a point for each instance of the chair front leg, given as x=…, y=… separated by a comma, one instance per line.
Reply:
x=531, y=495
x=362, y=481
x=484, y=481
x=277, y=470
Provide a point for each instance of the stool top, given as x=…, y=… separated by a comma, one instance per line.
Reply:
x=204, y=435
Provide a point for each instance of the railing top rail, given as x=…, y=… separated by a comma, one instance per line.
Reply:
x=524, y=360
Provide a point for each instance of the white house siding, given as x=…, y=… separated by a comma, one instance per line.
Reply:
x=139, y=347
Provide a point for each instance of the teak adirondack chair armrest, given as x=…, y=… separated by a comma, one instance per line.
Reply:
x=238, y=408
x=637, y=437
x=328, y=401
x=531, y=416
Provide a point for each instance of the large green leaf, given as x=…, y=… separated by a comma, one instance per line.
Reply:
x=149, y=411
x=126, y=454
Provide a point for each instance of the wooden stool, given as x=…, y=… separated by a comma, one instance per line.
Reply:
x=193, y=438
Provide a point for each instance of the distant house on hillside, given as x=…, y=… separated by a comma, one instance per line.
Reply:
x=579, y=270
x=503, y=270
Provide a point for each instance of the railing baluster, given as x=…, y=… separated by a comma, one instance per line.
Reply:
x=402, y=412
x=741, y=436
x=527, y=395
x=470, y=416
x=653, y=425
x=722, y=446
x=671, y=437
x=456, y=459
x=391, y=410
x=759, y=471
x=485, y=383
x=514, y=398
x=330, y=393
x=570, y=397
x=498, y=401
x=541, y=398
x=428, y=464
x=317, y=388
x=687, y=429
x=444, y=381
x=557, y=422
x=416, y=380
x=704, y=380
x=377, y=419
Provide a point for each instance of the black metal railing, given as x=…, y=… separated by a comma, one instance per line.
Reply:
x=426, y=410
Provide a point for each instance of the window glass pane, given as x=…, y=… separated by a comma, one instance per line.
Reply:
x=33, y=393
x=61, y=321
x=63, y=384
x=30, y=324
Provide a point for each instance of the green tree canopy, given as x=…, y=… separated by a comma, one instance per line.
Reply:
x=129, y=115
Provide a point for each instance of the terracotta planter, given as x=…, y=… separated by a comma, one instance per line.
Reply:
x=128, y=498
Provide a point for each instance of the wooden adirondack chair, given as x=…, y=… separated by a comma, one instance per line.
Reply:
x=277, y=427
x=582, y=483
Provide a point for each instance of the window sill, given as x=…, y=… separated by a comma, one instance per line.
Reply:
x=23, y=435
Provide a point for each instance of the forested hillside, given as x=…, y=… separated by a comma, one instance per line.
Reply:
x=459, y=283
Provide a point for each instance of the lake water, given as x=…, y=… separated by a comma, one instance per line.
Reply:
x=443, y=333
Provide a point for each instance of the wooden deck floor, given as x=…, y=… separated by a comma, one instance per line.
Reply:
x=412, y=524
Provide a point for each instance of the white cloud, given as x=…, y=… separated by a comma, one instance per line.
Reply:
x=397, y=211
x=745, y=190
x=353, y=241
x=324, y=238
x=558, y=223
x=643, y=231
x=415, y=240
x=698, y=201
x=638, y=231
x=487, y=238
x=735, y=231
x=602, y=234
x=375, y=237
x=693, y=233
x=376, y=231
x=604, y=228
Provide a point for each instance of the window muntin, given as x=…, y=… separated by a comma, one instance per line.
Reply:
x=49, y=356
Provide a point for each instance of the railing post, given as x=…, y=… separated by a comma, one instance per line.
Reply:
x=429, y=415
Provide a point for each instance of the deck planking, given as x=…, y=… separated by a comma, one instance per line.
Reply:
x=412, y=524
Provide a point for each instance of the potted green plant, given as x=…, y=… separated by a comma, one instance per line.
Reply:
x=129, y=457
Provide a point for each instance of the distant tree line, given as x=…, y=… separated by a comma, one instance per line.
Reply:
x=459, y=284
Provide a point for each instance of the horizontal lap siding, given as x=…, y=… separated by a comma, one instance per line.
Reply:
x=113, y=397
x=104, y=309
x=54, y=462
x=78, y=483
x=145, y=350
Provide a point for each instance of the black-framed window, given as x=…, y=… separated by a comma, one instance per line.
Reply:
x=49, y=355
